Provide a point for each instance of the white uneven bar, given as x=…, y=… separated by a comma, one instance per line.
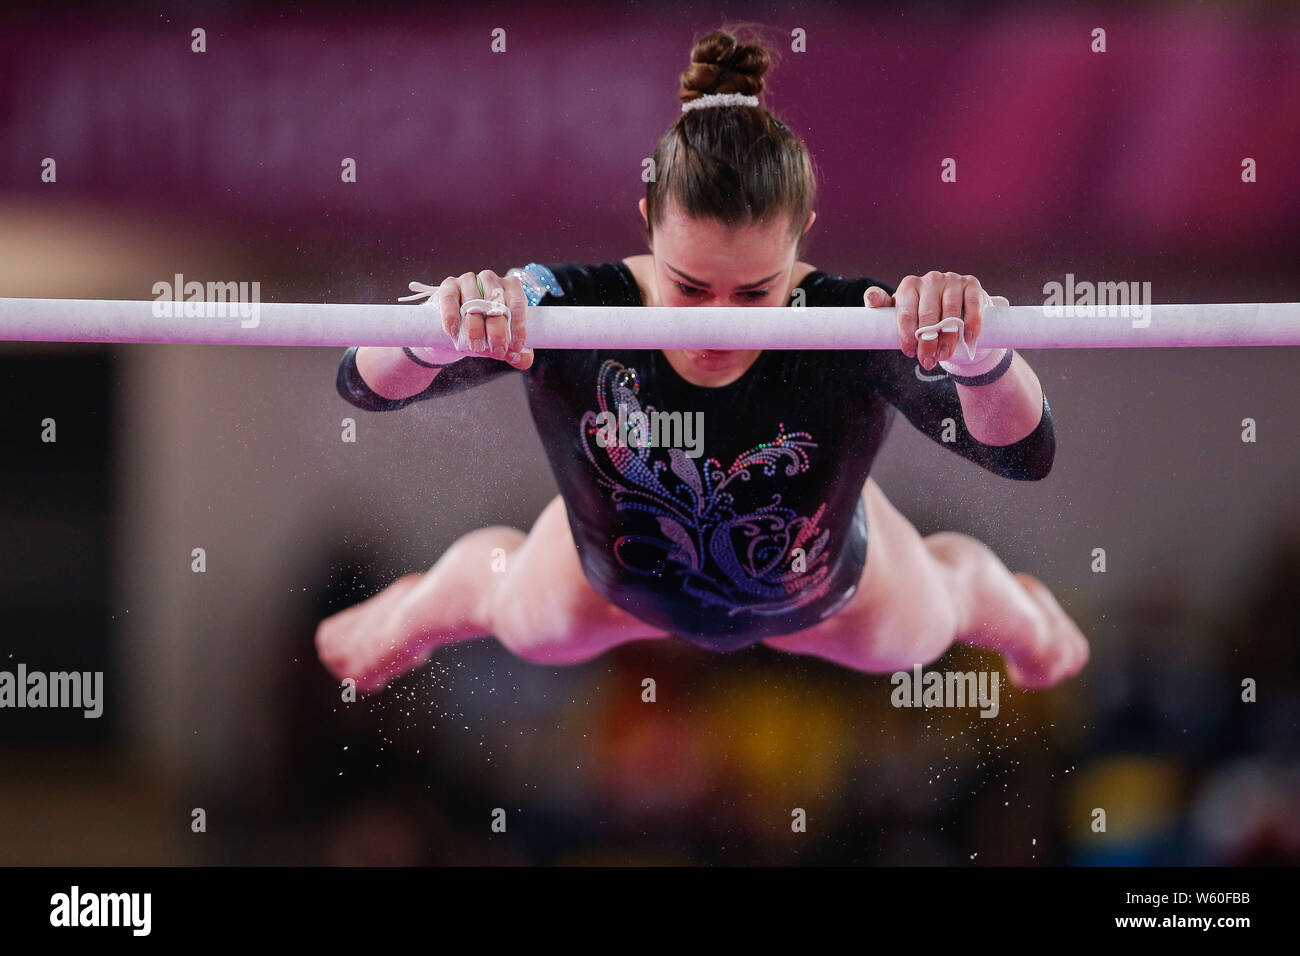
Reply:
x=591, y=327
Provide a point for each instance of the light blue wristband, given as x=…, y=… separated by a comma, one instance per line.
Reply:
x=538, y=281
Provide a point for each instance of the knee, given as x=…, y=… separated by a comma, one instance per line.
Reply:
x=953, y=547
x=916, y=627
x=546, y=647
x=908, y=643
x=543, y=630
x=487, y=548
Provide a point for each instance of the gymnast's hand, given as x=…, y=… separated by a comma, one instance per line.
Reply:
x=489, y=331
x=927, y=300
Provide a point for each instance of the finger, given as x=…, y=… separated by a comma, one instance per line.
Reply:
x=905, y=304
x=928, y=313
x=495, y=323
x=974, y=298
x=951, y=305
x=518, y=302
x=877, y=298
x=472, y=327
x=448, y=299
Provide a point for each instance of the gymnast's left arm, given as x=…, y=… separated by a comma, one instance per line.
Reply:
x=994, y=396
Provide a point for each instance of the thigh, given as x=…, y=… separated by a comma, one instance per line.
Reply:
x=902, y=612
x=544, y=608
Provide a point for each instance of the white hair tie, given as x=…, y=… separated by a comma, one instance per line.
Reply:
x=719, y=99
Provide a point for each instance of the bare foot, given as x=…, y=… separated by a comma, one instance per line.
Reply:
x=365, y=641
x=1062, y=653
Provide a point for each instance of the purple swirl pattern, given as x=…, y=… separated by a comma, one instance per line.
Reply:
x=722, y=556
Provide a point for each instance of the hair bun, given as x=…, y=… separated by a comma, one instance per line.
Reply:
x=721, y=64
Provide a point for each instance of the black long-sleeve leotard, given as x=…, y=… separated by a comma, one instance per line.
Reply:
x=758, y=528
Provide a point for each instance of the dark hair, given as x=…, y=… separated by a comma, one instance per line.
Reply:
x=734, y=164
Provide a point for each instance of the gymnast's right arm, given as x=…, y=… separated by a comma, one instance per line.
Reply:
x=482, y=345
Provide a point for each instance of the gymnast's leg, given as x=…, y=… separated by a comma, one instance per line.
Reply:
x=917, y=596
x=530, y=594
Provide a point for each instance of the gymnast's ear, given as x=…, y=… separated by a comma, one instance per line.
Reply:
x=640, y=204
x=812, y=217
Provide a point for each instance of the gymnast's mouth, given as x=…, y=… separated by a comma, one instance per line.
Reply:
x=713, y=356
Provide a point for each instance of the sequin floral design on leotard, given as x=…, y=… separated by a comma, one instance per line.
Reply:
x=766, y=561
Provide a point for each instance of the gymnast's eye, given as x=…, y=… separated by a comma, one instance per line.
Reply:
x=690, y=291
x=755, y=294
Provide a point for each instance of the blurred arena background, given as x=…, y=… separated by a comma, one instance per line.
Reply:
x=225, y=165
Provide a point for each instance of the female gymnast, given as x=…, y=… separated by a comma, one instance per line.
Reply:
x=757, y=528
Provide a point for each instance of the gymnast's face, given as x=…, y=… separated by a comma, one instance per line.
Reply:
x=702, y=262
